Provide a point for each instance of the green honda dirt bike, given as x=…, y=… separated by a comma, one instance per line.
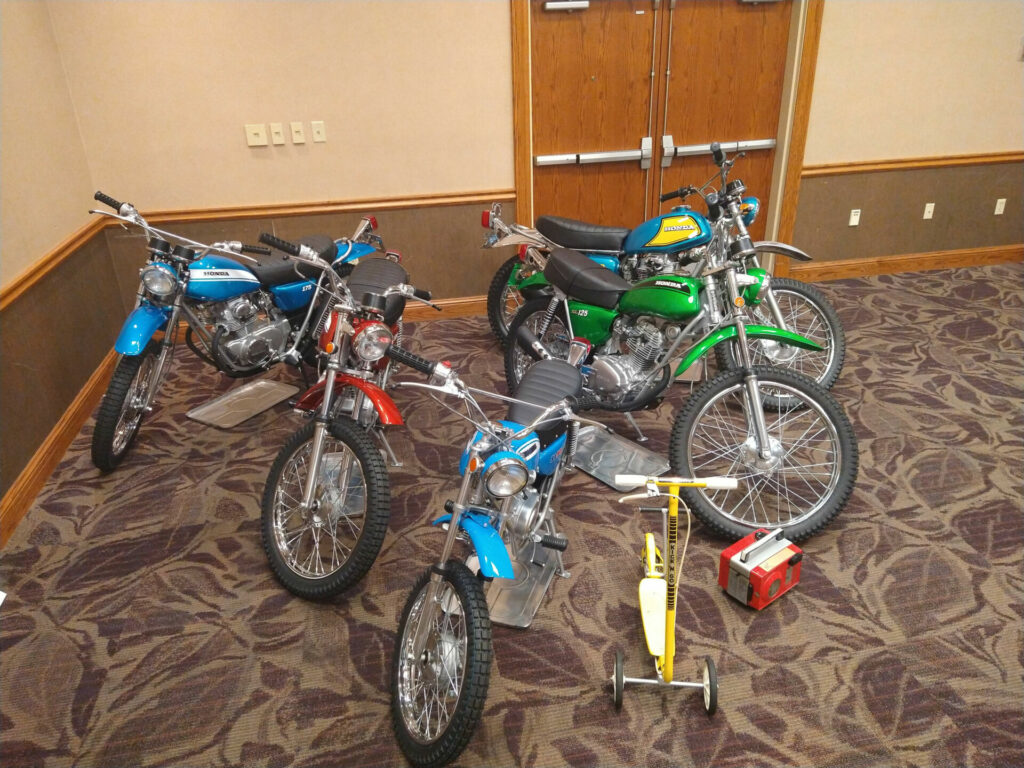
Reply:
x=674, y=243
x=783, y=436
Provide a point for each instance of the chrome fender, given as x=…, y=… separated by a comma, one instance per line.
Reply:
x=490, y=549
x=770, y=246
x=138, y=329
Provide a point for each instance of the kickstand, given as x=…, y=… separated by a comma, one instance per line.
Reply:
x=640, y=436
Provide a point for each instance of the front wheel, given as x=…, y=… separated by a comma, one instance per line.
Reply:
x=437, y=696
x=798, y=482
x=805, y=311
x=319, y=552
x=123, y=407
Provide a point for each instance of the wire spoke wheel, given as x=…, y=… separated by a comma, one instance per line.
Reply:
x=503, y=299
x=438, y=693
x=320, y=551
x=798, y=482
x=123, y=408
x=552, y=333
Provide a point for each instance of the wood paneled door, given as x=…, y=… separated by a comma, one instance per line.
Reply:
x=625, y=96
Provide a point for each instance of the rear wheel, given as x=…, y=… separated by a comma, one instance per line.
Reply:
x=709, y=678
x=123, y=408
x=805, y=311
x=806, y=477
x=320, y=552
x=437, y=697
x=504, y=299
x=617, y=681
x=552, y=333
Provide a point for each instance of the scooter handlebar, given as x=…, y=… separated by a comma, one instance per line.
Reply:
x=414, y=361
x=108, y=200
x=714, y=483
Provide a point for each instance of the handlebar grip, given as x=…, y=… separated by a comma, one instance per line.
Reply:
x=108, y=200
x=422, y=294
x=668, y=196
x=405, y=357
x=630, y=479
x=281, y=245
x=721, y=483
x=259, y=250
x=583, y=402
x=717, y=154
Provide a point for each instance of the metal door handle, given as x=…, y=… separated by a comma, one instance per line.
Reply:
x=690, y=150
x=567, y=5
x=668, y=151
x=615, y=156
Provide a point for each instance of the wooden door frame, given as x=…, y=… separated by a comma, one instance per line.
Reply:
x=522, y=114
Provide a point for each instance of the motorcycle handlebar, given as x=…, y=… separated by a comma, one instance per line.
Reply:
x=108, y=200
x=717, y=154
x=259, y=250
x=282, y=245
x=422, y=294
x=405, y=357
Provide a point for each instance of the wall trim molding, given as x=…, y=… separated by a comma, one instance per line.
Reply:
x=908, y=262
x=41, y=268
x=23, y=491
x=910, y=164
x=468, y=306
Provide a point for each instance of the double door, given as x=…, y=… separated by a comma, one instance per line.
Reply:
x=627, y=96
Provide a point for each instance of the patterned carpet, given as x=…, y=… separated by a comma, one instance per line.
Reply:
x=142, y=625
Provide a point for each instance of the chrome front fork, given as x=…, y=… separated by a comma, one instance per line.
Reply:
x=759, y=426
x=166, y=352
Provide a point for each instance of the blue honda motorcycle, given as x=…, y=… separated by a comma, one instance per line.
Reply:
x=241, y=318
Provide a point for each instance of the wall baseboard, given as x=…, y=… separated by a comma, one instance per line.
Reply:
x=450, y=308
x=26, y=487
x=910, y=262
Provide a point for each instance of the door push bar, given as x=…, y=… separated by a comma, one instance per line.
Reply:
x=669, y=150
x=567, y=5
x=644, y=155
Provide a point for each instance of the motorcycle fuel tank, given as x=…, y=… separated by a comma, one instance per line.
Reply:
x=217, y=278
x=672, y=232
x=674, y=297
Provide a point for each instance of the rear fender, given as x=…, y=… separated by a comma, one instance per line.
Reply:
x=138, y=329
x=386, y=409
x=490, y=549
x=533, y=286
x=753, y=332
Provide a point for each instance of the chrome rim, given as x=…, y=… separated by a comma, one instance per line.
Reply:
x=511, y=302
x=706, y=679
x=316, y=543
x=555, y=338
x=134, y=405
x=429, y=686
x=799, y=316
x=800, y=473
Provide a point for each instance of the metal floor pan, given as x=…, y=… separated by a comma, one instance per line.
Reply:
x=604, y=455
x=234, y=407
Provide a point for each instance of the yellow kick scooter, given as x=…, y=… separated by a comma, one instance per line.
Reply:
x=658, y=587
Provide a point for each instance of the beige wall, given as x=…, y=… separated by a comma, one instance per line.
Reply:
x=46, y=187
x=901, y=79
x=416, y=97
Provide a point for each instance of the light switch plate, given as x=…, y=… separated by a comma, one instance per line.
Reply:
x=855, y=217
x=319, y=130
x=277, y=133
x=256, y=134
x=1000, y=206
x=298, y=133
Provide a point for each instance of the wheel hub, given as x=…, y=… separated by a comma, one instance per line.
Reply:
x=752, y=458
x=778, y=354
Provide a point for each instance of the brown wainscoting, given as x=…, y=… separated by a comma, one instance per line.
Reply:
x=913, y=163
x=19, y=498
x=910, y=262
x=469, y=306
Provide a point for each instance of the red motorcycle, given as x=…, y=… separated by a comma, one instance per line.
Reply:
x=327, y=500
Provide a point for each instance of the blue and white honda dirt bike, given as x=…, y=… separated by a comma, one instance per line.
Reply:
x=510, y=471
x=242, y=319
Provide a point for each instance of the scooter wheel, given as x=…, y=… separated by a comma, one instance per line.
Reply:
x=617, y=684
x=710, y=680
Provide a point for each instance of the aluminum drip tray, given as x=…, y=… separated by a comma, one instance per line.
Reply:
x=232, y=408
x=604, y=455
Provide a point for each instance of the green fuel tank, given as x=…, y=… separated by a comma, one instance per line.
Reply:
x=673, y=297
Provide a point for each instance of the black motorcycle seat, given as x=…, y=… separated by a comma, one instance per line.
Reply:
x=374, y=275
x=276, y=269
x=570, y=233
x=545, y=382
x=584, y=279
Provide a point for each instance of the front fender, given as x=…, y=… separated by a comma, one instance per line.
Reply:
x=770, y=246
x=386, y=409
x=729, y=332
x=138, y=329
x=490, y=549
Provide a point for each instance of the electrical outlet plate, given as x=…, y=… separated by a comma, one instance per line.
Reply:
x=929, y=210
x=1000, y=206
x=256, y=134
x=319, y=130
x=298, y=133
x=855, y=217
x=277, y=133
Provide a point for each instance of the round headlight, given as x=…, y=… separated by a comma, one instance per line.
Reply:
x=160, y=280
x=372, y=341
x=505, y=475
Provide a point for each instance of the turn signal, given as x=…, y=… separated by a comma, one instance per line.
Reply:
x=485, y=220
x=739, y=301
x=373, y=222
x=329, y=347
x=522, y=251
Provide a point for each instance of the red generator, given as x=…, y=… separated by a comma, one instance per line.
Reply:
x=760, y=568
